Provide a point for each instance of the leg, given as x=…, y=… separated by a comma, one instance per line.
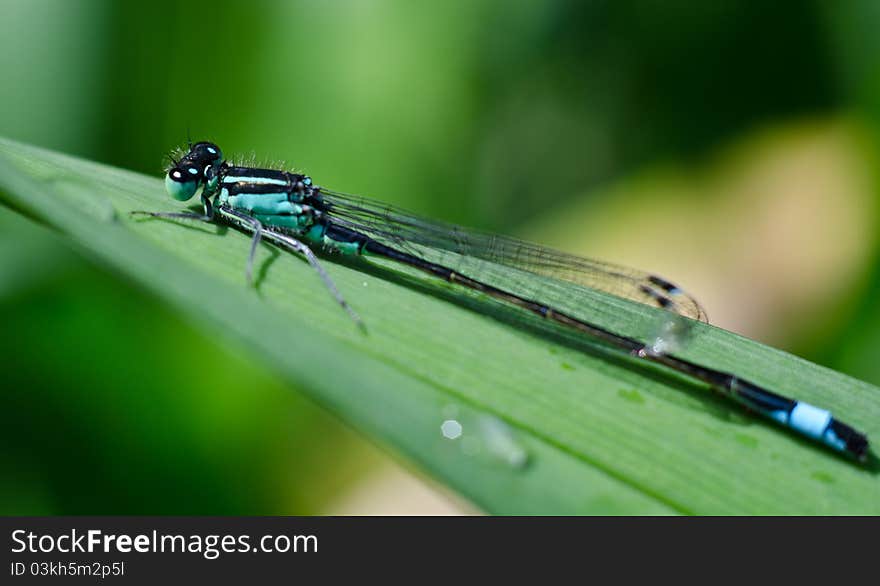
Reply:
x=208, y=216
x=249, y=269
x=256, y=228
x=174, y=215
x=294, y=245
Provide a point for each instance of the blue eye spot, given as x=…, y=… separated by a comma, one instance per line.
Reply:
x=193, y=171
x=212, y=150
x=307, y=180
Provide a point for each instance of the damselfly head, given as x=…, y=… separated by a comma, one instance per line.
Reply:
x=198, y=167
x=206, y=151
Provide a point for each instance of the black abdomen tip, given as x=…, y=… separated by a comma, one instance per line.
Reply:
x=856, y=442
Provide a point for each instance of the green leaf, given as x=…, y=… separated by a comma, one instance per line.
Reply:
x=549, y=424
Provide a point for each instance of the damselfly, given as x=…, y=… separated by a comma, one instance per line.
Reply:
x=288, y=210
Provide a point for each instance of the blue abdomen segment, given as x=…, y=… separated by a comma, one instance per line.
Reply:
x=815, y=423
x=812, y=422
x=335, y=239
x=806, y=419
x=809, y=420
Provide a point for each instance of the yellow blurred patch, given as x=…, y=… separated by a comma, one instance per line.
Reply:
x=773, y=234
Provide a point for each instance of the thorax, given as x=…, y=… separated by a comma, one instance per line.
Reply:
x=276, y=198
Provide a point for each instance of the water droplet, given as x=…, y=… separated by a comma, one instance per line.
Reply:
x=669, y=335
x=451, y=429
x=501, y=442
x=631, y=395
x=108, y=213
x=823, y=477
x=102, y=210
x=485, y=437
x=746, y=440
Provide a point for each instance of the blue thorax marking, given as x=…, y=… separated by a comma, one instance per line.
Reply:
x=275, y=198
x=280, y=200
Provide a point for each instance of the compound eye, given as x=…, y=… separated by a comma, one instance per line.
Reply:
x=181, y=184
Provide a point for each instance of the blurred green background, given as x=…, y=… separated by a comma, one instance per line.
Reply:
x=730, y=146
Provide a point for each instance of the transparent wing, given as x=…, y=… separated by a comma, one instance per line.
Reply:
x=414, y=234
